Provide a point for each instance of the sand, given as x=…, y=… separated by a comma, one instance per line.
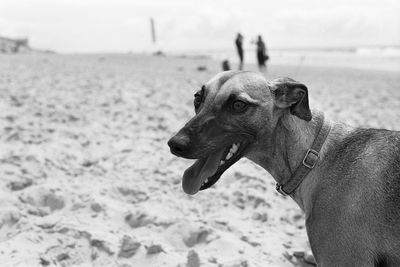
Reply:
x=87, y=179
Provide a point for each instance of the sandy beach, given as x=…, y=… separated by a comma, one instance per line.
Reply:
x=87, y=179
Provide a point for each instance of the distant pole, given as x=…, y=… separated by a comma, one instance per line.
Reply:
x=153, y=30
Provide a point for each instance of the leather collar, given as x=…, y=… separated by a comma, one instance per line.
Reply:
x=310, y=159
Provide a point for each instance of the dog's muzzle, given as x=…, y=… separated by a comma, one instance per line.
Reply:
x=179, y=145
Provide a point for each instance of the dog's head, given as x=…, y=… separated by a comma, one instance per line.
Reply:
x=233, y=110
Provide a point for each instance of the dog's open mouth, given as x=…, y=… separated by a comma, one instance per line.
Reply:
x=206, y=172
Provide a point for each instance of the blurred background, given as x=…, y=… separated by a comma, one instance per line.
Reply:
x=293, y=31
x=91, y=91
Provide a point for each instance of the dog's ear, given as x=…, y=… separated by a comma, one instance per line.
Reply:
x=288, y=93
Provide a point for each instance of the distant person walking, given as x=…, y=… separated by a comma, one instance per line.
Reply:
x=262, y=55
x=239, y=47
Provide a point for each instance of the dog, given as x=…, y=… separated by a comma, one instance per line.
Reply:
x=346, y=180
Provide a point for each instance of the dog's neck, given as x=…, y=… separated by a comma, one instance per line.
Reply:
x=286, y=146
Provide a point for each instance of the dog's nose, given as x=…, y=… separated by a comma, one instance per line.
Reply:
x=179, y=144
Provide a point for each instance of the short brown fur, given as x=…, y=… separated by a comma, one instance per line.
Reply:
x=351, y=199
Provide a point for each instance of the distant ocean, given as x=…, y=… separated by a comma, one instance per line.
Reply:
x=376, y=58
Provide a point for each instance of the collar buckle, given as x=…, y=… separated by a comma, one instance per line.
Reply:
x=280, y=190
x=311, y=158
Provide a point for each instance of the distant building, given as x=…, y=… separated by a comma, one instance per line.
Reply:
x=12, y=46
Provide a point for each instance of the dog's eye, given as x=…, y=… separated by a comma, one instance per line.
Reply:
x=239, y=106
x=197, y=100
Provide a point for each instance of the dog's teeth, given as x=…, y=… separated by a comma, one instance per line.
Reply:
x=234, y=148
x=229, y=155
x=221, y=162
x=206, y=181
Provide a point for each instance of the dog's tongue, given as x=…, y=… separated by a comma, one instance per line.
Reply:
x=195, y=175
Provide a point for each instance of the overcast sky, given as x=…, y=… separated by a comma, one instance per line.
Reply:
x=123, y=25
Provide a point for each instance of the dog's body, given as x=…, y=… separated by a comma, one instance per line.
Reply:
x=351, y=198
